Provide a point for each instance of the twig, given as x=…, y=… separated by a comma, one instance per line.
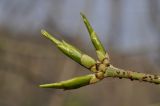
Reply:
x=101, y=68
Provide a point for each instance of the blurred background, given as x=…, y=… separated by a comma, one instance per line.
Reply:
x=129, y=29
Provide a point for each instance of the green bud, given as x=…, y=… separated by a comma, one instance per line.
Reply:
x=71, y=51
x=94, y=38
x=70, y=84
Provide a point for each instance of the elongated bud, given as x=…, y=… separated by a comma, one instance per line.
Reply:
x=71, y=51
x=101, y=53
x=72, y=83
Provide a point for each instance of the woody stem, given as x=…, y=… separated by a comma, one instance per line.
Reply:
x=114, y=72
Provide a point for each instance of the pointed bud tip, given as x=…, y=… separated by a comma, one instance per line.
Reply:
x=49, y=36
x=51, y=85
x=41, y=86
x=83, y=17
x=45, y=33
x=44, y=86
x=82, y=14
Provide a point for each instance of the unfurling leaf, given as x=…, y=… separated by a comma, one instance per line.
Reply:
x=101, y=53
x=71, y=84
x=71, y=51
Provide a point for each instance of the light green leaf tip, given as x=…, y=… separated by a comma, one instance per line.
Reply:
x=49, y=36
x=94, y=38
